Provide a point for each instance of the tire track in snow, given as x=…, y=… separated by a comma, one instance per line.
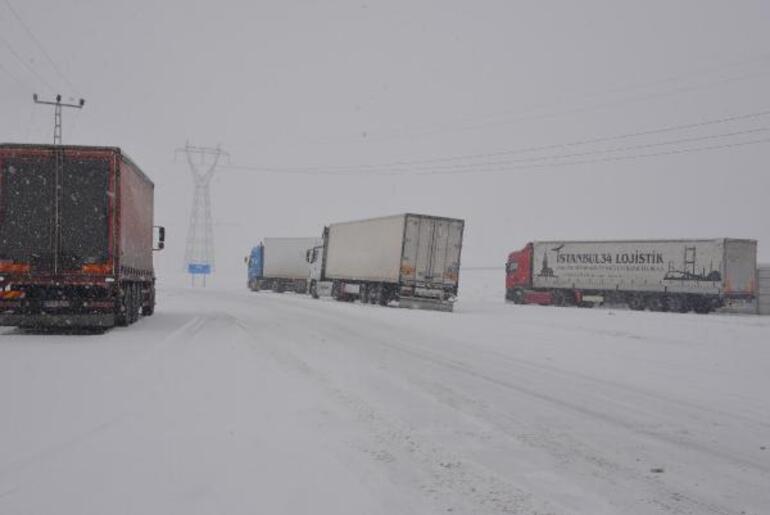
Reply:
x=449, y=476
x=55, y=449
x=604, y=385
x=665, y=498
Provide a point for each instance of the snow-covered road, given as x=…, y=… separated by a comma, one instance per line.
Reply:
x=235, y=402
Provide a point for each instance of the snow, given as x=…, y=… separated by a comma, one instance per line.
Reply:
x=228, y=401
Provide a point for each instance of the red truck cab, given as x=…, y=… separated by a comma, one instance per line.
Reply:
x=518, y=279
x=518, y=269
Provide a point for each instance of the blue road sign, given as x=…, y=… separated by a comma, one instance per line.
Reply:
x=199, y=268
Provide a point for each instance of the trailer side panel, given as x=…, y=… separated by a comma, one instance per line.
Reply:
x=367, y=250
x=684, y=266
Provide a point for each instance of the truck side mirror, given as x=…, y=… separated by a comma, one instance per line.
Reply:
x=161, y=238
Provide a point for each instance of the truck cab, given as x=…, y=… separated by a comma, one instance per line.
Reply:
x=518, y=269
x=316, y=285
x=254, y=266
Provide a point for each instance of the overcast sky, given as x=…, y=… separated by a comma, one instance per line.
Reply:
x=338, y=87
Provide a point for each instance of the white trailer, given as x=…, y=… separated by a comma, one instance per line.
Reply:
x=409, y=258
x=675, y=275
x=763, y=299
x=279, y=264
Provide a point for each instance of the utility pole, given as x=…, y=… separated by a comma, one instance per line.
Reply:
x=199, y=248
x=58, y=162
x=57, y=114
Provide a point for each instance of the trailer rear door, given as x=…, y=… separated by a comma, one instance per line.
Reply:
x=431, y=250
x=29, y=206
x=84, y=213
x=740, y=268
x=27, y=189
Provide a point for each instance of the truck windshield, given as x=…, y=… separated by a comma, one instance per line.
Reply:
x=84, y=211
x=26, y=211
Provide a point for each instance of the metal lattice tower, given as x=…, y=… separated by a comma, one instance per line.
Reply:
x=57, y=114
x=199, y=248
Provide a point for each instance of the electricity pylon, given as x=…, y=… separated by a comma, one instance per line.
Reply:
x=199, y=248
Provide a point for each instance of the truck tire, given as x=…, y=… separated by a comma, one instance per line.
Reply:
x=515, y=295
x=313, y=289
x=657, y=303
x=636, y=302
x=678, y=304
x=149, y=307
x=121, y=310
x=702, y=306
x=337, y=293
x=562, y=298
x=135, y=303
x=382, y=297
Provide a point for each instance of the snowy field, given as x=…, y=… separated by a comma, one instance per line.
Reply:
x=232, y=402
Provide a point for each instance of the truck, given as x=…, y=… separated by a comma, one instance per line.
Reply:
x=76, y=237
x=279, y=264
x=410, y=259
x=659, y=275
x=763, y=297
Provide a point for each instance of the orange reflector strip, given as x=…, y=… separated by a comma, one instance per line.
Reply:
x=12, y=294
x=17, y=268
x=94, y=268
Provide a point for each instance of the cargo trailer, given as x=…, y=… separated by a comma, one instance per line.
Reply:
x=279, y=264
x=660, y=275
x=410, y=259
x=76, y=237
x=763, y=282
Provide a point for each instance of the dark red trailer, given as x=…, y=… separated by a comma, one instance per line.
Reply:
x=76, y=237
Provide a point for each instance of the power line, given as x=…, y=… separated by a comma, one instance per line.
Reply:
x=470, y=166
x=359, y=169
x=40, y=46
x=522, y=115
x=609, y=159
x=26, y=64
x=17, y=80
x=507, y=168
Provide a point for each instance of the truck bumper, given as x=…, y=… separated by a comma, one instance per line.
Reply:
x=423, y=303
x=58, y=320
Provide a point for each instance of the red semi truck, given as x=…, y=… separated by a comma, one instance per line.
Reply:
x=76, y=237
x=660, y=275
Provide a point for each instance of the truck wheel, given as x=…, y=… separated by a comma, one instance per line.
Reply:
x=702, y=306
x=636, y=302
x=121, y=311
x=515, y=295
x=363, y=293
x=313, y=290
x=337, y=293
x=149, y=308
x=135, y=304
x=382, y=295
x=678, y=304
x=129, y=305
x=657, y=303
x=561, y=298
